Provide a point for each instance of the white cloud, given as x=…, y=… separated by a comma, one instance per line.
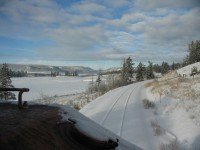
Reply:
x=149, y=5
x=89, y=31
x=90, y=8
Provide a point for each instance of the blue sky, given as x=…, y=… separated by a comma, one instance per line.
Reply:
x=96, y=33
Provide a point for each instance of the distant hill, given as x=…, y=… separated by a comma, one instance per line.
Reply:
x=47, y=69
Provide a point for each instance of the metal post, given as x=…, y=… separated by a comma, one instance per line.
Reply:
x=20, y=99
x=20, y=90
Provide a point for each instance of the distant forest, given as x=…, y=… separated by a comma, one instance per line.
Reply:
x=18, y=73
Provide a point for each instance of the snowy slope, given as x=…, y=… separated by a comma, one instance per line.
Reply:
x=121, y=111
x=178, y=106
x=187, y=69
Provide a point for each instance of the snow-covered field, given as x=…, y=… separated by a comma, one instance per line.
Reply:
x=51, y=86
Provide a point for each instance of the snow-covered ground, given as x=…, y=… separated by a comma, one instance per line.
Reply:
x=51, y=86
x=172, y=115
x=187, y=69
x=121, y=111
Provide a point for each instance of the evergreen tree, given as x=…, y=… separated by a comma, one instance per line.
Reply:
x=127, y=70
x=129, y=63
x=124, y=73
x=173, y=67
x=140, y=72
x=149, y=71
x=98, y=79
x=67, y=73
x=165, y=67
x=6, y=82
x=157, y=68
x=194, y=52
x=185, y=61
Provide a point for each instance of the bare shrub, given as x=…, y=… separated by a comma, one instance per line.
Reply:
x=75, y=104
x=150, y=84
x=171, y=146
x=183, y=80
x=148, y=104
x=156, y=128
x=112, y=82
x=102, y=88
x=155, y=112
x=192, y=116
x=44, y=99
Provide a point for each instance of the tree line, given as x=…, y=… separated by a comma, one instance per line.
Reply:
x=18, y=73
x=143, y=71
x=125, y=77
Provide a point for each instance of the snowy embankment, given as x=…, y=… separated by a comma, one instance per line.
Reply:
x=51, y=86
x=177, y=110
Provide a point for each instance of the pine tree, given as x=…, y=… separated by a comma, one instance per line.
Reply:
x=194, y=52
x=124, y=73
x=157, y=68
x=129, y=63
x=140, y=72
x=127, y=70
x=149, y=71
x=173, y=67
x=6, y=82
x=98, y=79
x=165, y=67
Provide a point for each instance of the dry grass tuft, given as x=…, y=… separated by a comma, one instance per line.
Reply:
x=156, y=128
x=148, y=104
x=171, y=146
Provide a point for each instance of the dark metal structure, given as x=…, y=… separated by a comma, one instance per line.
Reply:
x=21, y=91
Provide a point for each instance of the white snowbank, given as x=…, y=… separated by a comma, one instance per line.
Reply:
x=187, y=69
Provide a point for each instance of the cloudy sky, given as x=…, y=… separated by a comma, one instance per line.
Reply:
x=96, y=33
